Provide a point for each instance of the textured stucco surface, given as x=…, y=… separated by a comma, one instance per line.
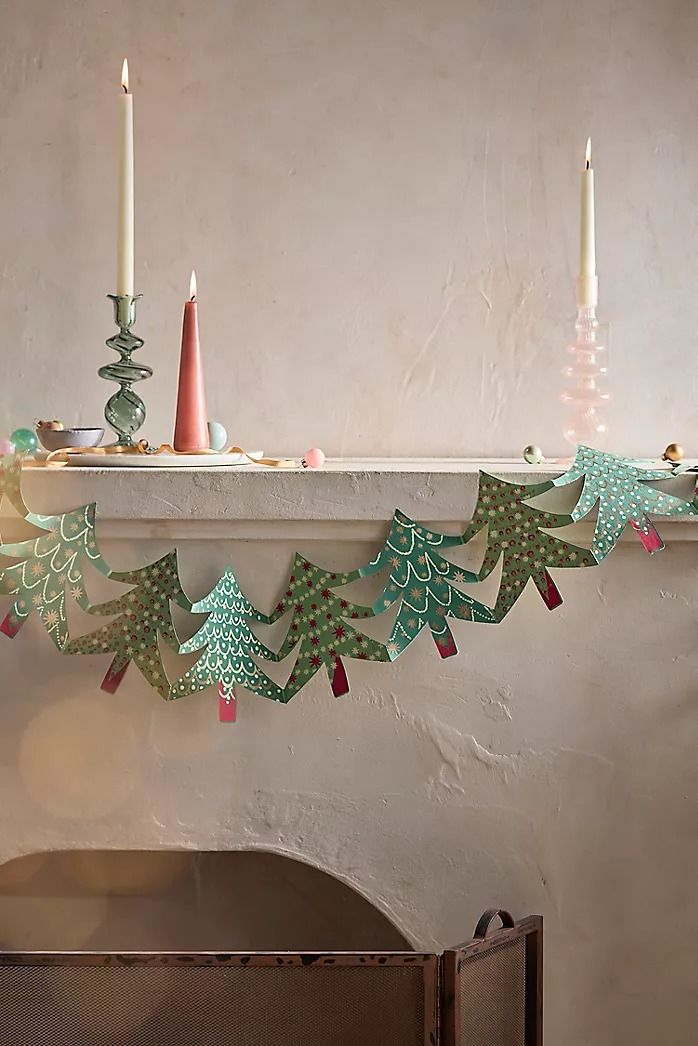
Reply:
x=380, y=199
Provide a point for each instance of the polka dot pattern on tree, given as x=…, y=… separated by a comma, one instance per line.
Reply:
x=619, y=487
x=517, y=535
x=141, y=617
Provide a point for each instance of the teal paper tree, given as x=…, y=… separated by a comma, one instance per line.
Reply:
x=420, y=580
x=10, y=478
x=319, y=628
x=229, y=648
x=620, y=488
x=517, y=534
x=141, y=617
x=50, y=564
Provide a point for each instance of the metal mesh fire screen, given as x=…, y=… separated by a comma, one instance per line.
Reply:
x=491, y=997
x=493, y=986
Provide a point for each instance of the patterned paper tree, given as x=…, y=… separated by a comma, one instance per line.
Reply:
x=420, y=579
x=620, y=488
x=518, y=535
x=141, y=617
x=10, y=477
x=320, y=629
x=229, y=648
x=50, y=564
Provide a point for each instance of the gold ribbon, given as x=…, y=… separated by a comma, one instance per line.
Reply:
x=167, y=448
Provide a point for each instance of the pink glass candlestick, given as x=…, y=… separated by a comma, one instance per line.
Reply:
x=585, y=395
x=191, y=429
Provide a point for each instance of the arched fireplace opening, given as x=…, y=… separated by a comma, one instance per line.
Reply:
x=186, y=901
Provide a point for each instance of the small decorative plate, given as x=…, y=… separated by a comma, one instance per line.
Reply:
x=159, y=461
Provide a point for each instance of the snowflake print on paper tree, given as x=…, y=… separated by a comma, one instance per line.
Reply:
x=10, y=476
x=143, y=615
x=320, y=628
x=420, y=579
x=517, y=534
x=621, y=490
x=51, y=563
x=229, y=647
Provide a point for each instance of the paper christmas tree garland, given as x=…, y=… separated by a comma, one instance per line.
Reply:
x=229, y=647
x=518, y=534
x=50, y=564
x=623, y=497
x=322, y=625
x=319, y=628
x=141, y=617
x=420, y=580
x=10, y=478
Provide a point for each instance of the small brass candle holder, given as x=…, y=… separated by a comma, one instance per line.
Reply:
x=125, y=410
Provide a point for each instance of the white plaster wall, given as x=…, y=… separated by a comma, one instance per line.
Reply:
x=380, y=199
x=550, y=767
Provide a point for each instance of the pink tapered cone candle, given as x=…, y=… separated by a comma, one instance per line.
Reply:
x=191, y=431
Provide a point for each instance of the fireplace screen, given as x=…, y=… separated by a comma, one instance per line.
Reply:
x=275, y=999
x=493, y=986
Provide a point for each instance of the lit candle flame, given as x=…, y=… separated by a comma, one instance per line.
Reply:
x=192, y=286
x=587, y=155
x=124, y=75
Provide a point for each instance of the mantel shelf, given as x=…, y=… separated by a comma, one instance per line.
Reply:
x=250, y=501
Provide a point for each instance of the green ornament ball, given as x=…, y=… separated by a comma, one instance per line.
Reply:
x=533, y=455
x=217, y=436
x=25, y=441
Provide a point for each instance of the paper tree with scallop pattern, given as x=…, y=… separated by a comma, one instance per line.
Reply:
x=319, y=628
x=141, y=617
x=420, y=580
x=10, y=477
x=620, y=488
x=50, y=564
x=517, y=534
x=229, y=650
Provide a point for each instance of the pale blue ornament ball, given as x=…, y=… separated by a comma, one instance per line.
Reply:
x=25, y=441
x=217, y=436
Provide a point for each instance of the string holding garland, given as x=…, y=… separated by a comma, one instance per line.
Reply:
x=322, y=625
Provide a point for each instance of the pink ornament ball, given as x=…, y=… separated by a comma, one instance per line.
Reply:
x=6, y=446
x=314, y=458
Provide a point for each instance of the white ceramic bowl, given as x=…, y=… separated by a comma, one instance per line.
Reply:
x=58, y=439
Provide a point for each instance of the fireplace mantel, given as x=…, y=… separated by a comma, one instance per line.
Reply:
x=356, y=496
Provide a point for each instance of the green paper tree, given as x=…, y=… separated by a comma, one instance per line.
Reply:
x=50, y=564
x=229, y=647
x=620, y=489
x=319, y=628
x=420, y=580
x=10, y=480
x=141, y=617
x=517, y=534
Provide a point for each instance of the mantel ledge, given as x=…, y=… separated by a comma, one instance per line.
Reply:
x=355, y=497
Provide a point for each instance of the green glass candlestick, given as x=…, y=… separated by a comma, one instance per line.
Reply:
x=125, y=410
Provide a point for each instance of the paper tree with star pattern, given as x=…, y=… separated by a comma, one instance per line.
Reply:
x=50, y=564
x=517, y=534
x=620, y=488
x=10, y=477
x=141, y=617
x=319, y=628
x=229, y=650
x=420, y=579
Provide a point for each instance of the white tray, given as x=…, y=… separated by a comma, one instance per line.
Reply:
x=160, y=461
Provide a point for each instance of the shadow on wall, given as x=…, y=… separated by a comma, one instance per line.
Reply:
x=117, y=900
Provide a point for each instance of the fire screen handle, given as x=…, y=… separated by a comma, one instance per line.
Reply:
x=488, y=917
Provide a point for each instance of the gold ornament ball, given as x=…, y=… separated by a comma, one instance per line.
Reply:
x=674, y=452
x=533, y=455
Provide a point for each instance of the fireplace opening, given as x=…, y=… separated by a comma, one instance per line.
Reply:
x=186, y=901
